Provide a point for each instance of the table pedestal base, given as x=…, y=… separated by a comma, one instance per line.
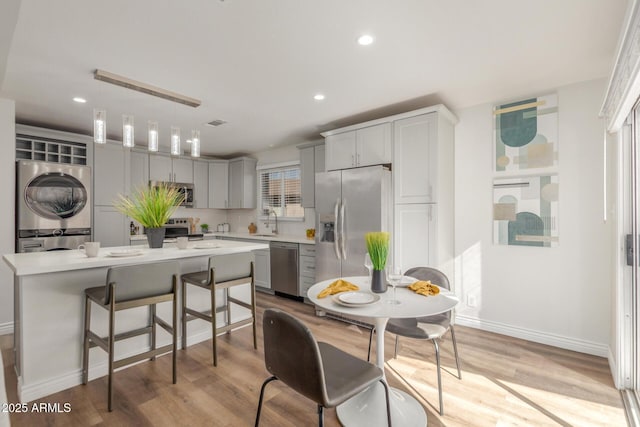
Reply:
x=369, y=409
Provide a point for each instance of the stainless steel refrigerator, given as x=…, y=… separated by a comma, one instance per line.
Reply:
x=349, y=204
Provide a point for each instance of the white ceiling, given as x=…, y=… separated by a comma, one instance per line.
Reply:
x=257, y=63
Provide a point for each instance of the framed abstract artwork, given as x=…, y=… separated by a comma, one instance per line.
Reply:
x=525, y=210
x=526, y=134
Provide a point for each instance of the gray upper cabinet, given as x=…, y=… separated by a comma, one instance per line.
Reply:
x=139, y=171
x=416, y=148
x=219, y=184
x=160, y=168
x=108, y=173
x=109, y=166
x=182, y=170
x=370, y=145
x=311, y=162
x=166, y=168
x=200, y=184
x=242, y=183
x=319, y=151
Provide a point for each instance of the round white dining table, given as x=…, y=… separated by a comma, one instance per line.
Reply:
x=368, y=408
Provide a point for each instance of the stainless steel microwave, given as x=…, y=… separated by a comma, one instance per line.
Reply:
x=184, y=188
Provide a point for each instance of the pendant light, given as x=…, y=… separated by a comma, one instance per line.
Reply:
x=127, y=131
x=153, y=136
x=99, y=126
x=175, y=140
x=195, y=143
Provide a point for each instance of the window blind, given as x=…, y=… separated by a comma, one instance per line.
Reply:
x=280, y=192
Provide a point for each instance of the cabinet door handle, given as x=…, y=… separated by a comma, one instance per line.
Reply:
x=352, y=160
x=430, y=214
x=358, y=159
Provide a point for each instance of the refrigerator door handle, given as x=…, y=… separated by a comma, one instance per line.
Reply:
x=336, y=235
x=342, y=235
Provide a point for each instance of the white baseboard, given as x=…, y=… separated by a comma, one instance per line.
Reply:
x=582, y=346
x=6, y=328
x=37, y=390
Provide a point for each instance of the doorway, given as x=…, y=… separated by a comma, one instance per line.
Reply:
x=629, y=296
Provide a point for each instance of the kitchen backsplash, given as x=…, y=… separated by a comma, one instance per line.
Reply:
x=213, y=217
x=239, y=220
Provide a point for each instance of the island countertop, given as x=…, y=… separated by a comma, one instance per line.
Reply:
x=49, y=308
x=57, y=261
x=237, y=235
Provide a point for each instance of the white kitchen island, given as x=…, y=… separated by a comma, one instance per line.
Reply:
x=49, y=309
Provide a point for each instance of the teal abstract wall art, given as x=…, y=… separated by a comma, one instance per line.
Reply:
x=525, y=211
x=526, y=134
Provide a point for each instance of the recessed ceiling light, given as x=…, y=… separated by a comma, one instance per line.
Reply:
x=79, y=100
x=318, y=97
x=365, y=40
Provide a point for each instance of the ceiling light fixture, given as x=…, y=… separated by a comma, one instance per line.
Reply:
x=153, y=136
x=318, y=97
x=127, y=131
x=115, y=79
x=99, y=126
x=79, y=100
x=175, y=140
x=365, y=40
x=195, y=143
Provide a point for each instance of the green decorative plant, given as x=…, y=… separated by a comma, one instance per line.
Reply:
x=150, y=206
x=204, y=227
x=378, y=247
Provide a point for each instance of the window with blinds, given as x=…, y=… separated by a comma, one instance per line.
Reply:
x=280, y=192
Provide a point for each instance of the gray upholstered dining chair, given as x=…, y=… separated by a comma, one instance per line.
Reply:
x=317, y=370
x=128, y=287
x=223, y=273
x=425, y=328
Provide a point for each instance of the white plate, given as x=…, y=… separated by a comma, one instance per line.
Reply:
x=206, y=246
x=355, y=299
x=127, y=252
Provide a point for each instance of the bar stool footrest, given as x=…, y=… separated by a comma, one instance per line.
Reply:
x=142, y=356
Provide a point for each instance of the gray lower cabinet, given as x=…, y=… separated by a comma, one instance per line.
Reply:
x=307, y=269
x=262, y=264
x=262, y=269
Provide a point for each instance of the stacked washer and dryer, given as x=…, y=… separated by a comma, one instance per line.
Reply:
x=53, y=206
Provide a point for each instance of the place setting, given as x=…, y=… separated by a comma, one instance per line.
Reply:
x=125, y=253
x=345, y=293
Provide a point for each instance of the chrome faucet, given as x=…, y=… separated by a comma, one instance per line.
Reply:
x=267, y=212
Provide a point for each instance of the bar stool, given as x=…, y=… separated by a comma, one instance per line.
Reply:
x=129, y=287
x=223, y=273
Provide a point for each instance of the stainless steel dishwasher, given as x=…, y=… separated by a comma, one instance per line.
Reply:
x=284, y=267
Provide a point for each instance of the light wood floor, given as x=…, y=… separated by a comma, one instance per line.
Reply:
x=505, y=382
